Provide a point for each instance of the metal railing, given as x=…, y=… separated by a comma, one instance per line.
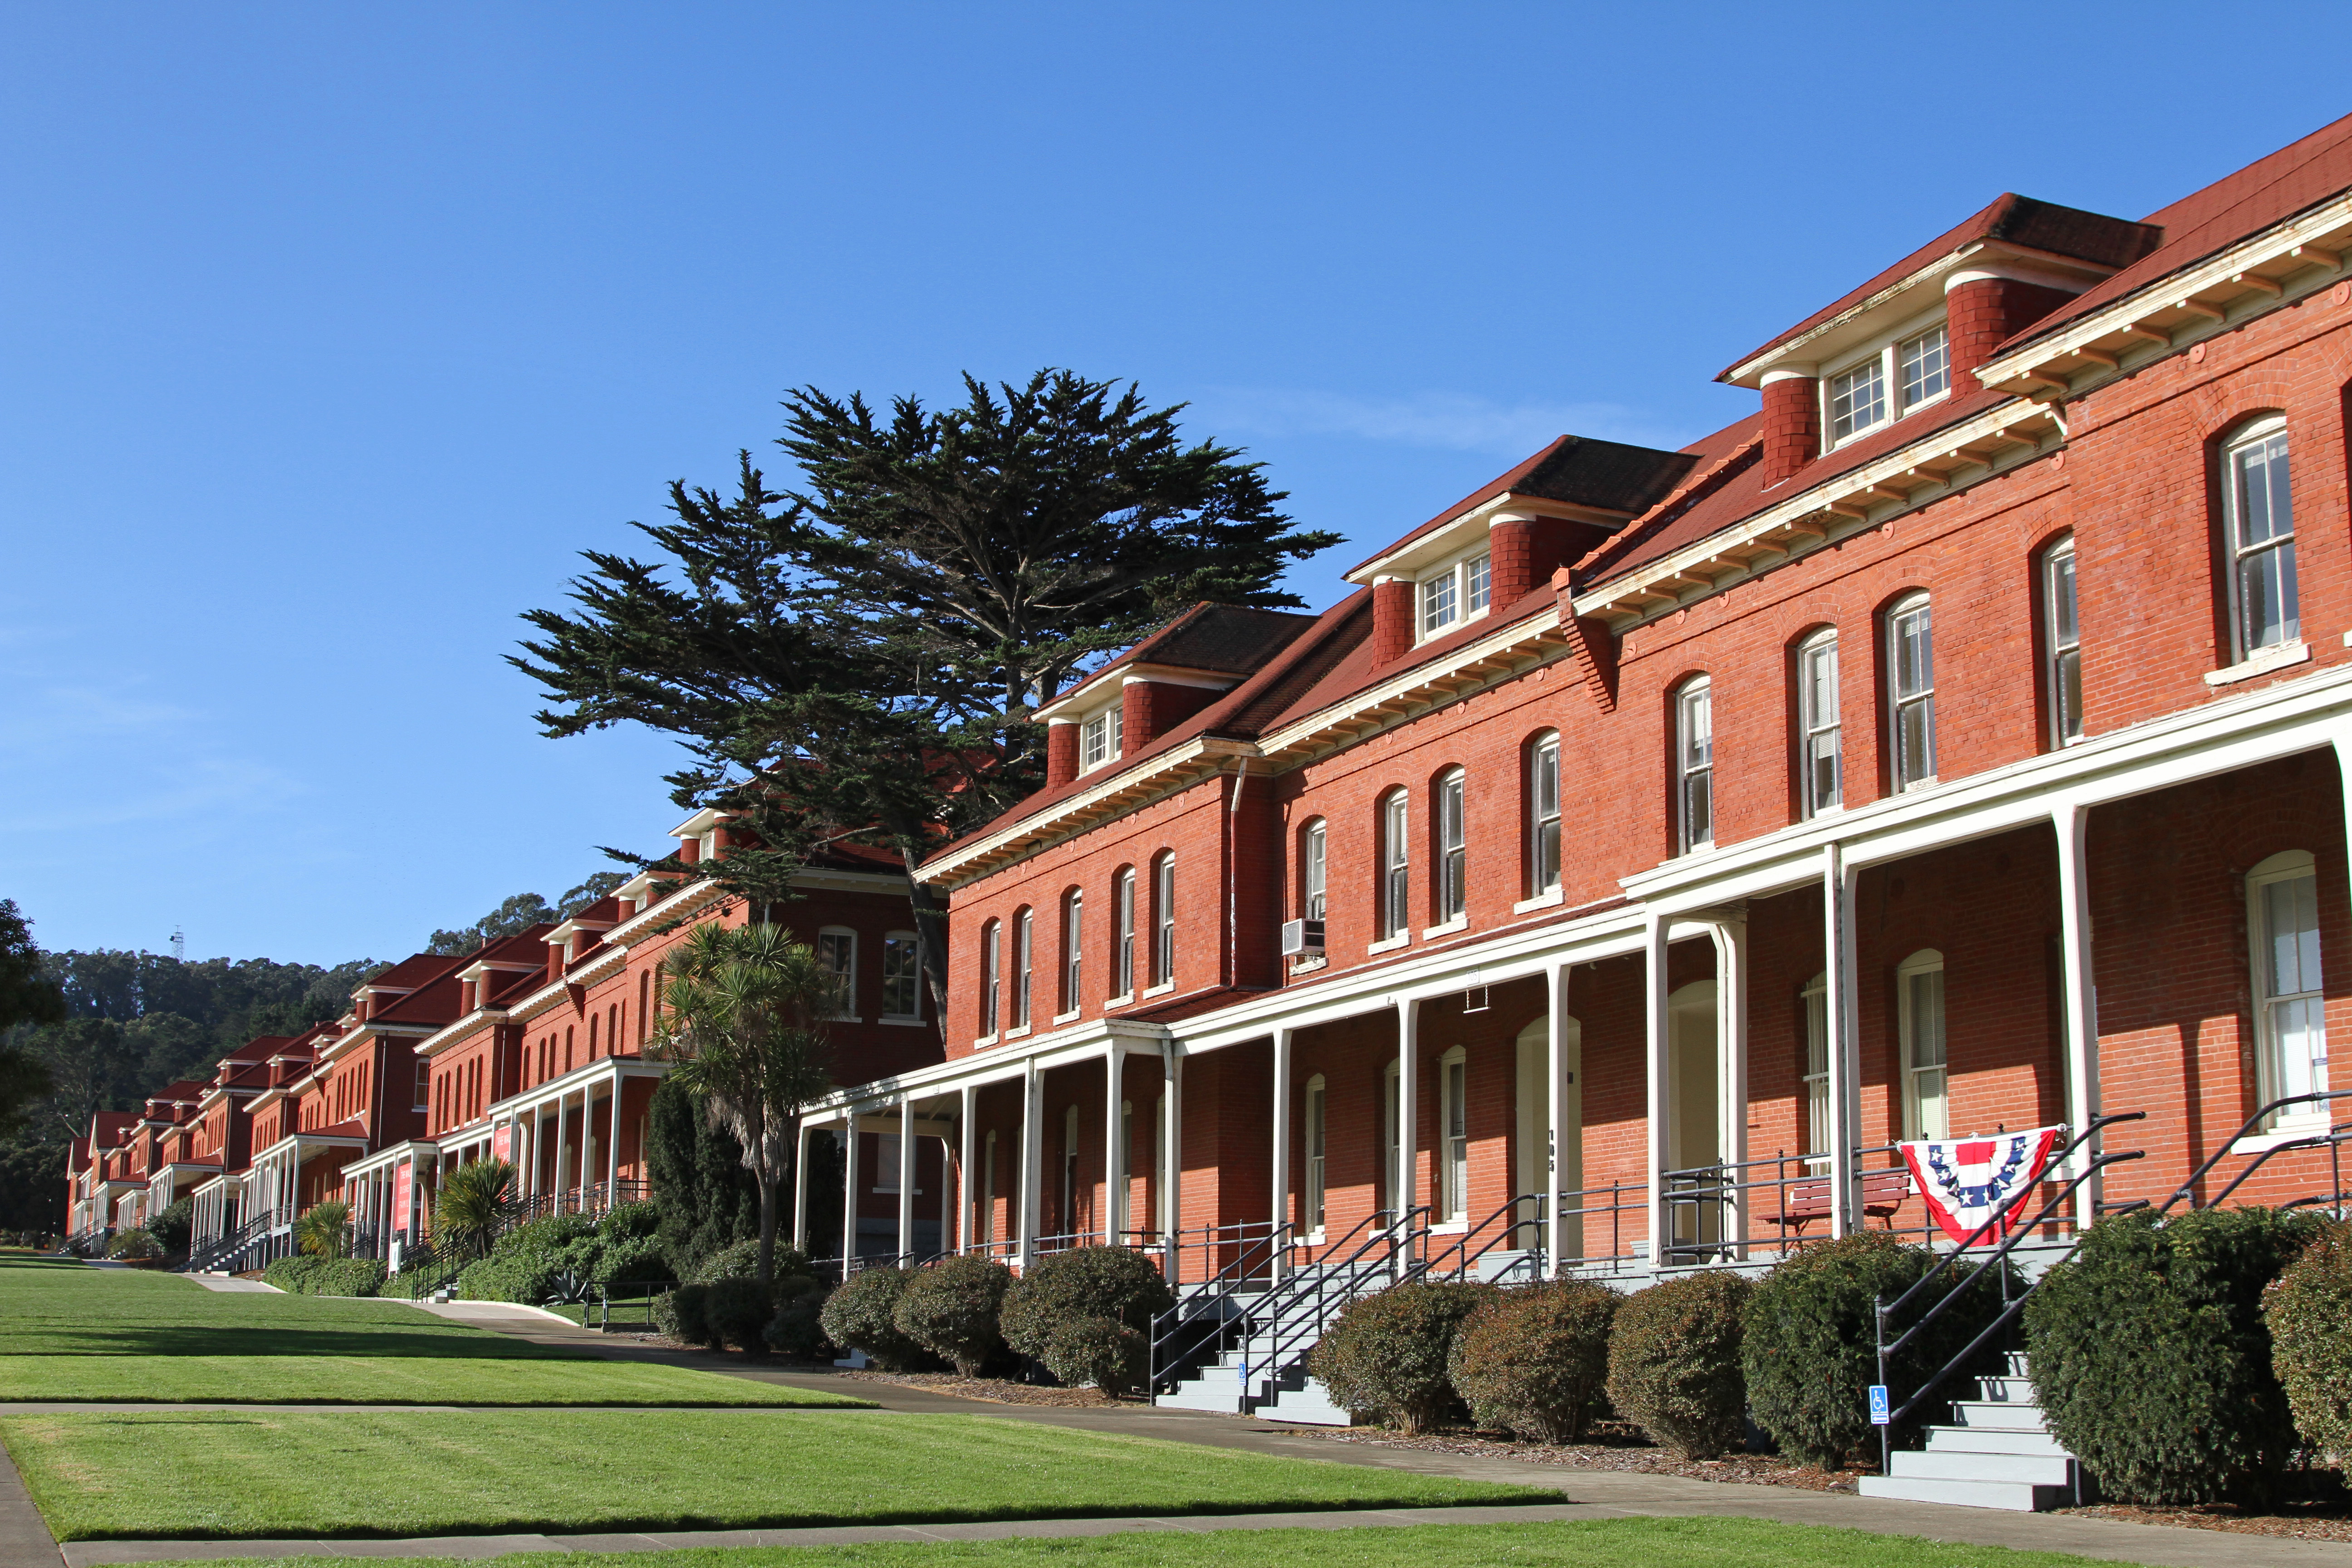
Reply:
x=232, y=1246
x=2332, y=1141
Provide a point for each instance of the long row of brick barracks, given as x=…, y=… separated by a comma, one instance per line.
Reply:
x=1652, y=841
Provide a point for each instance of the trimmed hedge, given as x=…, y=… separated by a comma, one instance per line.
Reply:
x=1673, y=1362
x=133, y=1244
x=1533, y=1359
x=952, y=1308
x=859, y=1314
x=797, y=1326
x=309, y=1276
x=2152, y=1359
x=683, y=1315
x=737, y=1311
x=1386, y=1354
x=1810, y=1344
x=2309, y=1311
x=1053, y=1314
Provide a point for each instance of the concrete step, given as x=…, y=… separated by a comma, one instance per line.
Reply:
x=2015, y=1497
x=2000, y=1418
x=1308, y=1404
x=2005, y=1390
x=1991, y=1440
x=1193, y=1394
x=1947, y=1465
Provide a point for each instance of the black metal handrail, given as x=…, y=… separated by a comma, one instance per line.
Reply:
x=1211, y=1307
x=2187, y=1189
x=1429, y=1266
x=1350, y=1275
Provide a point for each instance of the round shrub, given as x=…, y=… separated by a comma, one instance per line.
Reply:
x=1673, y=1362
x=737, y=1260
x=134, y=1244
x=1810, y=1344
x=2309, y=1311
x=681, y=1314
x=1103, y=1352
x=860, y=1316
x=952, y=1308
x=2152, y=1361
x=1114, y=1282
x=1386, y=1354
x=1532, y=1360
x=737, y=1313
x=797, y=1328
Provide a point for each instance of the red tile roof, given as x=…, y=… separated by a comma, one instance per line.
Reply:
x=1611, y=476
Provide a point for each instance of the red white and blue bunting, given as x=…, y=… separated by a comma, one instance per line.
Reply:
x=1967, y=1181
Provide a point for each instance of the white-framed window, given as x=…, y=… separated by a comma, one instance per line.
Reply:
x=1453, y=1147
x=1163, y=914
x=886, y=1161
x=1396, y=837
x=1919, y=1006
x=1123, y=912
x=836, y=954
x=1694, y=764
x=1024, y=956
x=1452, y=849
x=2258, y=501
x=1815, y=998
x=1074, y=948
x=2290, y=1005
x=2061, y=641
x=1314, y=867
x=1070, y=1172
x=1911, y=691
x=1821, y=759
x=1543, y=817
x=1457, y=593
x=992, y=976
x=1391, y=1149
x=1099, y=738
x=1313, y=1109
x=902, y=975
x=1891, y=381
x=987, y=1227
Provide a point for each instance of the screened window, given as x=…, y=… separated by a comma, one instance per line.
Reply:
x=1314, y=846
x=836, y=954
x=992, y=976
x=1453, y=850
x=1024, y=950
x=2061, y=635
x=1857, y=399
x=1098, y=740
x=1456, y=595
x=1911, y=691
x=1163, y=911
x=2262, y=538
x=2292, y=1021
x=1816, y=999
x=1919, y=994
x=1924, y=366
x=1820, y=757
x=1123, y=912
x=1396, y=835
x=1313, y=1144
x=902, y=975
x=1073, y=950
x=1543, y=817
x=1695, y=764
x=1453, y=1196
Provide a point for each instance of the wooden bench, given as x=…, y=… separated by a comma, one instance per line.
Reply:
x=1883, y=1193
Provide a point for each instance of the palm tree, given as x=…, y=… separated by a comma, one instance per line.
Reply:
x=472, y=1202
x=323, y=1230
x=744, y=1024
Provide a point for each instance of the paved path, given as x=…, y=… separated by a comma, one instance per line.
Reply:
x=24, y=1538
x=229, y=1285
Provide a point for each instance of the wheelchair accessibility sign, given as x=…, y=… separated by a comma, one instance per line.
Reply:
x=1878, y=1405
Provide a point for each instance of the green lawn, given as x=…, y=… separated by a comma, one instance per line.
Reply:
x=1597, y=1543
x=226, y=1475
x=68, y=1332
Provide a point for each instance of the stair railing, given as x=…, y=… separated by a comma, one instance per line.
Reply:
x=1434, y=1265
x=1202, y=1316
x=1298, y=1310
x=2187, y=1189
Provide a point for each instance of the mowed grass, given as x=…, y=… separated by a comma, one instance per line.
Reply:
x=1593, y=1543
x=357, y=1473
x=68, y=1332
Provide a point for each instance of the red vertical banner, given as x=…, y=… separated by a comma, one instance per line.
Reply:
x=400, y=1196
x=502, y=1142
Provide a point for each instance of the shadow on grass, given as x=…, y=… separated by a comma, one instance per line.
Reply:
x=170, y=1340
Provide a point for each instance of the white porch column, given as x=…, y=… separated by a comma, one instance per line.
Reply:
x=1278, y=1250
x=906, y=1179
x=967, y=1189
x=613, y=1149
x=1730, y=936
x=1660, y=1103
x=1840, y=956
x=848, y=1188
x=801, y=1137
x=1114, y=1206
x=1560, y=1239
x=950, y=1189
x=1033, y=1161
x=2071, y=822
x=1407, y=1179
x=563, y=1145
x=1171, y=1159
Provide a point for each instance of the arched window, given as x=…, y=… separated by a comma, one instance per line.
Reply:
x=2061, y=644
x=1543, y=816
x=2290, y=1006
x=1821, y=760
x=1312, y=1110
x=1453, y=847
x=836, y=954
x=1123, y=917
x=1919, y=1006
x=1396, y=836
x=2258, y=509
x=991, y=970
x=1163, y=914
x=1024, y=956
x=1911, y=692
x=1695, y=764
x=1313, y=851
x=1454, y=1139
x=1816, y=999
x=1073, y=950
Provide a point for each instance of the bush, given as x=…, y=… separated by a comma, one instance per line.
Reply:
x=2309, y=1311
x=314, y=1275
x=861, y=1315
x=1103, y=1352
x=2152, y=1360
x=680, y=1315
x=952, y=1308
x=1673, y=1362
x=738, y=1260
x=174, y=1225
x=1386, y=1354
x=551, y=1258
x=1117, y=1283
x=737, y=1311
x=797, y=1328
x=1810, y=1342
x=1532, y=1360
x=134, y=1243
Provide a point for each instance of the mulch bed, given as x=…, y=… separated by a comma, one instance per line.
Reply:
x=2296, y=1522
x=1615, y=1447
x=996, y=1390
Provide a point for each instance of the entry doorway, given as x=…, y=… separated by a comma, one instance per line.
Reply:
x=1693, y=1120
x=1534, y=1133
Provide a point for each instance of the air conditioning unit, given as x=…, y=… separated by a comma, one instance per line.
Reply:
x=1302, y=939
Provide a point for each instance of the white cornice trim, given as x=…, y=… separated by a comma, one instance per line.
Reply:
x=1456, y=533
x=1418, y=687
x=1151, y=778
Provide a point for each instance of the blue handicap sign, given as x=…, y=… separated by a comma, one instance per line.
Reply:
x=1878, y=1405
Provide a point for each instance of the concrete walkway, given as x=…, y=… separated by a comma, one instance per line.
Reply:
x=230, y=1285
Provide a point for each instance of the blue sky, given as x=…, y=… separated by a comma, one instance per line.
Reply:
x=332, y=333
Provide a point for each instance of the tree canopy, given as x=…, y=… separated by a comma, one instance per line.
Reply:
x=521, y=912
x=27, y=996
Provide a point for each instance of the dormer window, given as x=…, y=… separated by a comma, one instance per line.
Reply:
x=1454, y=594
x=1098, y=740
x=1895, y=380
